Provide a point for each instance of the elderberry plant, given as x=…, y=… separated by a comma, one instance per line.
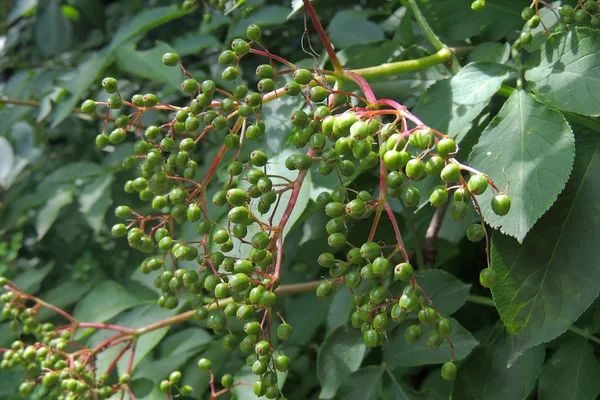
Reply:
x=220, y=197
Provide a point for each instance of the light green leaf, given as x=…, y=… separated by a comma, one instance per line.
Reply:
x=30, y=280
x=53, y=31
x=339, y=311
x=446, y=291
x=147, y=64
x=568, y=76
x=136, y=318
x=20, y=9
x=364, y=384
x=492, y=52
x=194, y=43
x=450, y=106
x=532, y=146
x=350, y=27
x=7, y=160
x=484, y=374
x=70, y=173
x=94, y=201
x=405, y=354
x=305, y=324
x=79, y=82
x=187, y=341
x=65, y=294
x=571, y=373
x=340, y=355
x=263, y=17
x=48, y=214
x=143, y=22
x=545, y=284
x=104, y=302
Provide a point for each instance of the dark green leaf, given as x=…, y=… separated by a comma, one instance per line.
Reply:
x=143, y=22
x=455, y=19
x=305, y=324
x=450, y=106
x=405, y=354
x=194, y=44
x=147, y=64
x=568, y=76
x=532, y=146
x=53, y=31
x=350, y=27
x=364, y=384
x=29, y=281
x=545, y=283
x=104, y=302
x=401, y=390
x=447, y=292
x=20, y=9
x=491, y=52
x=571, y=373
x=264, y=17
x=484, y=374
x=339, y=311
x=94, y=201
x=48, y=214
x=340, y=355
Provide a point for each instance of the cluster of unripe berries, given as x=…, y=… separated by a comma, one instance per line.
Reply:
x=584, y=11
x=333, y=135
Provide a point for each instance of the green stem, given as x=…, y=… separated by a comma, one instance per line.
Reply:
x=431, y=36
x=489, y=302
x=418, y=64
x=486, y=301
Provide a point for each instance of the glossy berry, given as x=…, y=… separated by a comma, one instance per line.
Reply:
x=478, y=5
x=204, y=364
x=253, y=33
x=501, y=204
x=303, y=76
x=475, y=232
x=415, y=169
x=370, y=250
x=403, y=271
x=448, y=371
x=371, y=338
x=446, y=148
x=88, y=107
x=428, y=316
x=487, y=277
x=109, y=85
x=438, y=196
x=170, y=59
x=434, y=340
x=284, y=331
x=443, y=327
x=324, y=289
x=477, y=184
x=458, y=210
x=413, y=334
x=450, y=173
x=411, y=196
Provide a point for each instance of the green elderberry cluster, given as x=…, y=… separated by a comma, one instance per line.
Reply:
x=50, y=372
x=330, y=133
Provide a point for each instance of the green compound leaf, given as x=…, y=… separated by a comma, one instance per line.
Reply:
x=571, y=373
x=484, y=374
x=104, y=302
x=568, y=75
x=340, y=355
x=53, y=31
x=364, y=384
x=405, y=354
x=455, y=20
x=533, y=147
x=146, y=64
x=351, y=27
x=451, y=105
x=545, y=284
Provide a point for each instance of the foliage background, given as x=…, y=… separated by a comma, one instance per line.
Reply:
x=57, y=191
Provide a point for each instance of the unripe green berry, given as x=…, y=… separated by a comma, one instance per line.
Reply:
x=170, y=59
